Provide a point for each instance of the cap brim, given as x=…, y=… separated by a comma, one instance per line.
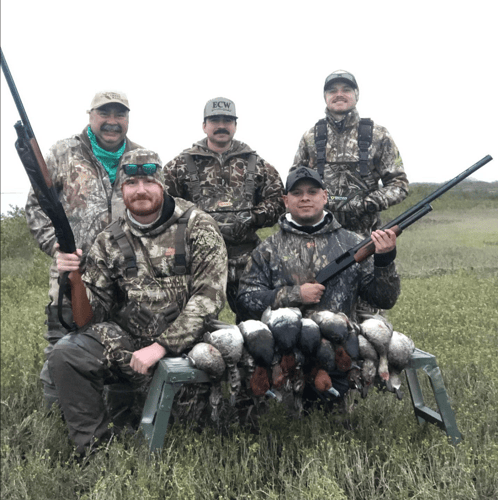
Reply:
x=340, y=79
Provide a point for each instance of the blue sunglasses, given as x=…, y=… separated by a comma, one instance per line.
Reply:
x=144, y=169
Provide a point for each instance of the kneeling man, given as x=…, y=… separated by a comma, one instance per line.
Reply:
x=282, y=269
x=151, y=278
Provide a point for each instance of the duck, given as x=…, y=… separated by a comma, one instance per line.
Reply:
x=351, y=344
x=325, y=364
x=400, y=351
x=379, y=332
x=369, y=367
x=230, y=343
x=207, y=358
x=333, y=326
x=260, y=344
x=309, y=338
x=325, y=355
x=323, y=383
x=285, y=325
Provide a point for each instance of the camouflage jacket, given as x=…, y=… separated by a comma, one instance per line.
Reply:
x=85, y=192
x=290, y=258
x=222, y=182
x=342, y=177
x=196, y=294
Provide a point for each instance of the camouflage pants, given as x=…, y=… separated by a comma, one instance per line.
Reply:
x=55, y=331
x=80, y=365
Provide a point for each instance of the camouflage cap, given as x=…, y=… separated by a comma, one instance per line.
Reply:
x=219, y=106
x=142, y=157
x=106, y=97
x=303, y=173
x=340, y=76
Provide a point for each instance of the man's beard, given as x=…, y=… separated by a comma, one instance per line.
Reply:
x=154, y=207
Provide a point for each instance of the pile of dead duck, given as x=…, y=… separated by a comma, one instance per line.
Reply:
x=287, y=349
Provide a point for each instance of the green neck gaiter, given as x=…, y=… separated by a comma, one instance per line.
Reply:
x=109, y=159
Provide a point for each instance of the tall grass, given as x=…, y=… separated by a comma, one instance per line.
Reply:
x=448, y=305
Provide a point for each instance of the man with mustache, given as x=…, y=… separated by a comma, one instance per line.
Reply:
x=83, y=170
x=227, y=179
x=353, y=157
x=357, y=159
x=151, y=278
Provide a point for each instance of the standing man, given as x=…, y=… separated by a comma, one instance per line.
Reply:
x=83, y=170
x=353, y=156
x=228, y=180
x=151, y=277
x=281, y=271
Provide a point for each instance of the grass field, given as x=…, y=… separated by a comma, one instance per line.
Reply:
x=448, y=306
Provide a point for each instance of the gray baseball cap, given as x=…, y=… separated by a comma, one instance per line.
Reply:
x=340, y=76
x=106, y=97
x=219, y=106
x=303, y=173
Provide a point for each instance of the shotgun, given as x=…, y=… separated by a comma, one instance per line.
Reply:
x=36, y=168
x=366, y=247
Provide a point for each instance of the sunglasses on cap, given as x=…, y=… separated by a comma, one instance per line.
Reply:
x=144, y=169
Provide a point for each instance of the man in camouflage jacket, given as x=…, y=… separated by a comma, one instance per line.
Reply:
x=282, y=270
x=220, y=182
x=355, y=199
x=90, y=196
x=143, y=313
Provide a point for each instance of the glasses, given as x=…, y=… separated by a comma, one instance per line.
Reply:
x=144, y=169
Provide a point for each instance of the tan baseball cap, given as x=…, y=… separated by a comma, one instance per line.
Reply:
x=107, y=97
x=219, y=106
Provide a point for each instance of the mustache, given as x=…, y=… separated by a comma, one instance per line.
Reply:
x=111, y=128
x=222, y=131
x=141, y=196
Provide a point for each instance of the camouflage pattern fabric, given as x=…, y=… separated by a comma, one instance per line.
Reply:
x=86, y=194
x=222, y=182
x=289, y=258
x=82, y=362
x=197, y=294
x=342, y=177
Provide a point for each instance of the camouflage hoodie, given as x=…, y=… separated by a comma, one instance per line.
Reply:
x=222, y=181
x=86, y=194
x=198, y=293
x=289, y=258
x=343, y=179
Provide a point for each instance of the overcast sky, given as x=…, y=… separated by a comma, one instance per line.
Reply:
x=426, y=70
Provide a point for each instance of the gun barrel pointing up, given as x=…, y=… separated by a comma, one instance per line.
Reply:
x=366, y=247
x=16, y=96
x=439, y=192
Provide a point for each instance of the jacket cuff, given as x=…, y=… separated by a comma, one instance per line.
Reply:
x=258, y=219
x=384, y=259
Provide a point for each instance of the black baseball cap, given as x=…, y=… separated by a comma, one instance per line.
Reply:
x=340, y=76
x=303, y=173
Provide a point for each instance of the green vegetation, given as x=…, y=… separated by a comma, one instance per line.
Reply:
x=448, y=305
